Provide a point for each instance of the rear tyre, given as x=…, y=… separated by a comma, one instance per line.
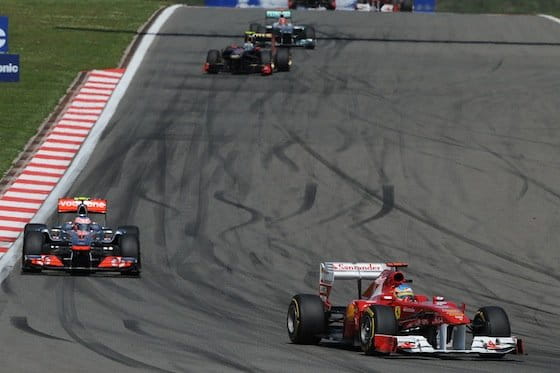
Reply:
x=130, y=230
x=309, y=33
x=266, y=57
x=491, y=321
x=283, y=59
x=376, y=320
x=33, y=227
x=130, y=247
x=33, y=243
x=306, y=319
x=213, y=59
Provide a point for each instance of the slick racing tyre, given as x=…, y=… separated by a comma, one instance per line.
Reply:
x=266, y=57
x=376, y=320
x=283, y=59
x=130, y=247
x=213, y=59
x=309, y=33
x=306, y=319
x=491, y=321
x=33, y=243
x=130, y=230
x=32, y=227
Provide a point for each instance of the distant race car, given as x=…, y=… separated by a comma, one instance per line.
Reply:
x=385, y=5
x=254, y=56
x=328, y=4
x=81, y=245
x=286, y=34
x=389, y=318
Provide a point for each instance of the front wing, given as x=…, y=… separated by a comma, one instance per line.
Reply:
x=480, y=345
x=107, y=264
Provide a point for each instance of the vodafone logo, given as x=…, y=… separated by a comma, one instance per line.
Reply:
x=2, y=37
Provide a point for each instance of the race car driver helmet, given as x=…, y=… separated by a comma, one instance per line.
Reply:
x=404, y=292
x=282, y=21
x=81, y=223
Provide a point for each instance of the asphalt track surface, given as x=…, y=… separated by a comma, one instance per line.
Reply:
x=241, y=185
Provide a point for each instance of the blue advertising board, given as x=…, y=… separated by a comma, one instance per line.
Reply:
x=426, y=6
x=9, y=67
x=3, y=34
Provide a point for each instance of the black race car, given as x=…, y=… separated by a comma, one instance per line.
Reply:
x=249, y=58
x=329, y=4
x=81, y=245
x=285, y=33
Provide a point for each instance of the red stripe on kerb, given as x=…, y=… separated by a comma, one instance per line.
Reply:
x=3, y=250
x=56, y=149
x=37, y=173
x=14, y=218
x=69, y=142
x=34, y=182
x=80, y=120
x=7, y=239
x=46, y=165
x=73, y=127
x=10, y=229
x=19, y=199
x=80, y=135
x=89, y=100
x=17, y=209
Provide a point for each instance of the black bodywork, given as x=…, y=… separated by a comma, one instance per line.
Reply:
x=237, y=60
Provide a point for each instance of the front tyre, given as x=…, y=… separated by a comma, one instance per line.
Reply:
x=376, y=320
x=283, y=59
x=491, y=321
x=306, y=319
x=33, y=243
x=130, y=247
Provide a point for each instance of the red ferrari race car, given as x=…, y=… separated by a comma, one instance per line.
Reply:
x=389, y=318
x=81, y=245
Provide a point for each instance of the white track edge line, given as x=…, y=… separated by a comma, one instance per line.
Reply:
x=550, y=18
x=9, y=259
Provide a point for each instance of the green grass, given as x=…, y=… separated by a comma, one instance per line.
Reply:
x=51, y=54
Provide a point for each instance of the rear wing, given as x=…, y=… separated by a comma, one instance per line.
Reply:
x=82, y=205
x=257, y=37
x=275, y=14
x=329, y=271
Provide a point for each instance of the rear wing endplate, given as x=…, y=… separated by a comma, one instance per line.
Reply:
x=72, y=205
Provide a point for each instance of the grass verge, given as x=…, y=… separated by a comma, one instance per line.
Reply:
x=55, y=40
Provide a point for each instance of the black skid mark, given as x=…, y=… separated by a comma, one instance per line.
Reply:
x=255, y=215
x=135, y=327
x=309, y=196
x=388, y=204
x=424, y=219
x=278, y=151
x=68, y=316
x=20, y=323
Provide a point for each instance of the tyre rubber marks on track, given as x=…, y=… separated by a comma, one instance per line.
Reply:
x=24, y=197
